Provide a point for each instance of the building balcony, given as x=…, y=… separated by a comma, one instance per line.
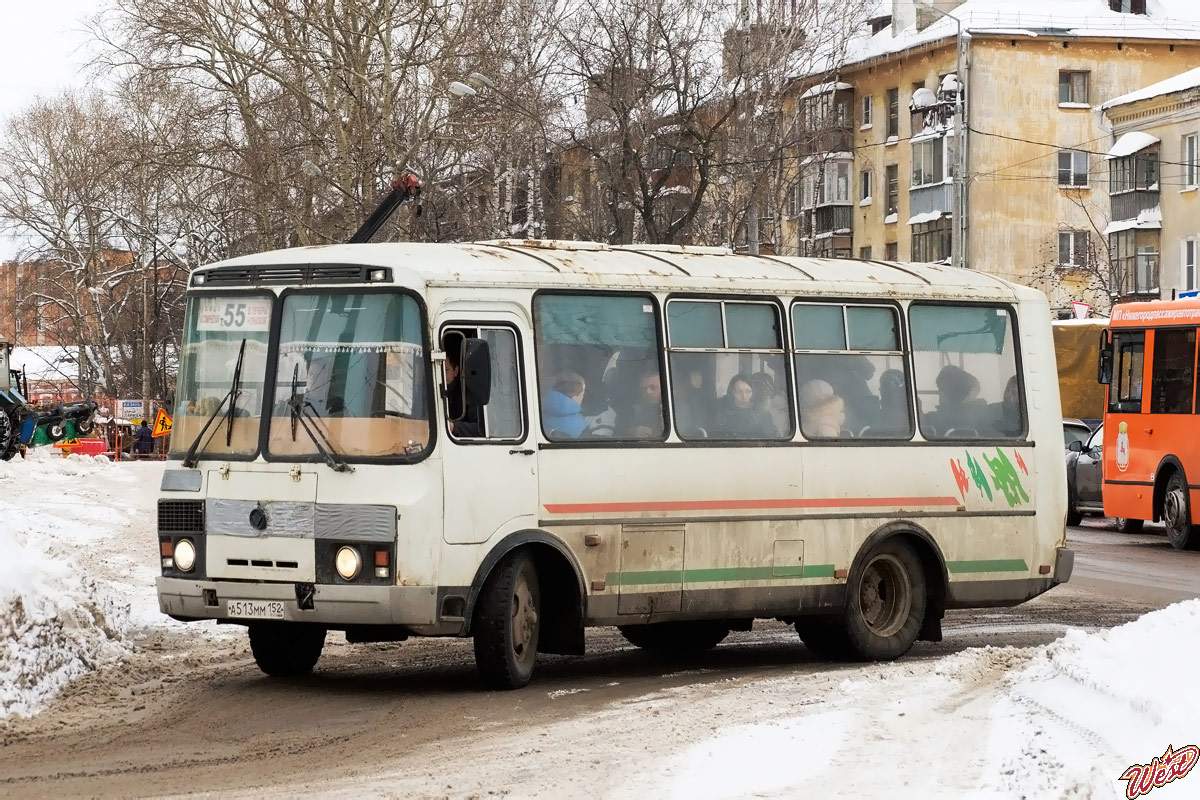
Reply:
x=826, y=220
x=928, y=199
x=835, y=139
x=1135, y=277
x=1128, y=205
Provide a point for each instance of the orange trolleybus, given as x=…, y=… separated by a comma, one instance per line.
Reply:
x=1151, y=450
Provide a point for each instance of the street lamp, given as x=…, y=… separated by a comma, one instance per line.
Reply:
x=958, y=234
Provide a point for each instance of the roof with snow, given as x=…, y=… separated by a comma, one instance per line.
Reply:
x=1179, y=83
x=47, y=363
x=1165, y=19
x=1130, y=143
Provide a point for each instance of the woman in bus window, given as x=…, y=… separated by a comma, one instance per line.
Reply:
x=739, y=417
x=562, y=406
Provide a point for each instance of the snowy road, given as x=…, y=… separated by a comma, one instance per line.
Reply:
x=185, y=710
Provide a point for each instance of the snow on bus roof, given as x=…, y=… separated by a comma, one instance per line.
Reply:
x=564, y=264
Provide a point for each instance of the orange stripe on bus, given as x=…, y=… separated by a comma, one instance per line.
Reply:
x=749, y=505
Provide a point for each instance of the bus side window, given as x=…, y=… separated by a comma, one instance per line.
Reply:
x=503, y=418
x=1173, y=371
x=1125, y=392
x=966, y=372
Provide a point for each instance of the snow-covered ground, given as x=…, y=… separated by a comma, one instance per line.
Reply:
x=76, y=570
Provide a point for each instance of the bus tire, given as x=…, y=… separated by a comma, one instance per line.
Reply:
x=1073, y=516
x=885, y=603
x=508, y=622
x=676, y=637
x=286, y=649
x=1177, y=514
x=1125, y=525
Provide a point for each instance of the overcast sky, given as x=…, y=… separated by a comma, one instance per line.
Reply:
x=40, y=53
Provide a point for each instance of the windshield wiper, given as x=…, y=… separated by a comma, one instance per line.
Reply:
x=234, y=392
x=188, y=459
x=299, y=411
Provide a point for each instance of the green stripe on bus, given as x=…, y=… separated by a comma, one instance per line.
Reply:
x=994, y=565
x=717, y=575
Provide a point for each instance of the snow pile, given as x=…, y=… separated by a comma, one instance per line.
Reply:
x=64, y=610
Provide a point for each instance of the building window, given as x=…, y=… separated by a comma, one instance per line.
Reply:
x=1073, y=87
x=1191, y=160
x=893, y=189
x=793, y=200
x=928, y=163
x=1073, y=249
x=864, y=253
x=1128, y=6
x=1134, y=260
x=1187, y=263
x=835, y=186
x=893, y=112
x=1072, y=168
x=891, y=251
x=931, y=241
x=864, y=186
x=841, y=113
x=868, y=109
x=1138, y=171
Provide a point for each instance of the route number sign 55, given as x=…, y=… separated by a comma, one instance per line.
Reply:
x=234, y=314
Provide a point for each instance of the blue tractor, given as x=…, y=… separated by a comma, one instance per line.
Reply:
x=23, y=424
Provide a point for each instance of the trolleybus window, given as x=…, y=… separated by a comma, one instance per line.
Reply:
x=353, y=367
x=214, y=329
x=966, y=372
x=1173, y=371
x=728, y=370
x=851, y=372
x=599, y=368
x=1125, y=393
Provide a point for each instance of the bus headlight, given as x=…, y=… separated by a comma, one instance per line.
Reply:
x=185, y=555
x=347, y=562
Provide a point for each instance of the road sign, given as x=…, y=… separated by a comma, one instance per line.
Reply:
x=67, y=443
x=1081, y=310
x=162, y=424
x=130, y=409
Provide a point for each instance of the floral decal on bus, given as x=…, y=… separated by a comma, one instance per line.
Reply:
x=1004, y=476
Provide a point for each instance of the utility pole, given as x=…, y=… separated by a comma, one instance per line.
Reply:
x=145, y=343
x=752, y=214
x=958, y=233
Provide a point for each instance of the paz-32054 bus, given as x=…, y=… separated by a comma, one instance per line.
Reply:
x=513, y=441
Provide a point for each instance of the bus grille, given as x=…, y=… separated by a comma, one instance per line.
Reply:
x=180, y=516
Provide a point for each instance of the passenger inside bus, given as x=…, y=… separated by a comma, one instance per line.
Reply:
x=893, y=404
x=644, y=419
x=822, y=411
x=739, y=417
x=693, y=400
x=1006, y=415
x=957, y=414
x=562, y=406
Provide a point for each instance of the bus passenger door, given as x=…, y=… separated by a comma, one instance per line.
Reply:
x=489, y=457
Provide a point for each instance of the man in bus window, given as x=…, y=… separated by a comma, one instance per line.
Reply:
x=953, y=415
x=464, y=422
x=645, y=418
x=1006, y=415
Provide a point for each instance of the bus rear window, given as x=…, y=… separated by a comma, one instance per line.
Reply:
x=966, y=372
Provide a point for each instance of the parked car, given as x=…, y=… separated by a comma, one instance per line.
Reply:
x=1084, y=483
x=1075, y=430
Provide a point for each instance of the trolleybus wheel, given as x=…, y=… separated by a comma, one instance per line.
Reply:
x=676, y=637
x=1177, y=514
x=507, y=623
x=1126, y=525
x=286, y=649
x=885, y=603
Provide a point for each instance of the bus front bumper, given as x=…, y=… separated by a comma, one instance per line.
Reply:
x=335, y=606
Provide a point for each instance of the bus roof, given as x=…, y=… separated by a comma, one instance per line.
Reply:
x=563, y=264
x=1156, y=313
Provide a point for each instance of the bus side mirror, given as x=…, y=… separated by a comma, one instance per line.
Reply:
x=476, y=365
x=1104, y=369
x=1075, y=447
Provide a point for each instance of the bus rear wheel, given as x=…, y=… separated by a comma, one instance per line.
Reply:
x=286, y=649
x=1126, y=525
x=885, y=603
x=676, y=637
x=1177, y=514
x=507, y=623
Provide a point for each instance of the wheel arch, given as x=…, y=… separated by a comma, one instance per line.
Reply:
x=1168, y=466
x=933, y=565
x=558, y=573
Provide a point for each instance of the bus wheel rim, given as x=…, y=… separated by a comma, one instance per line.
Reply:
x=524, y=619
x=885, y=596
x=1173, y=509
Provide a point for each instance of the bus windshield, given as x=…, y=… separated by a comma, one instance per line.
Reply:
x=214, y=330
x=351, y=368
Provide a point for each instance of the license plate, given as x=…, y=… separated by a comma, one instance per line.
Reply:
x=255, y=609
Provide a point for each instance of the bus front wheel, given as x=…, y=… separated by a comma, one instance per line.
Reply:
x=507, y=623
x=286, y=649
x=885, y=603
x=1177, y=514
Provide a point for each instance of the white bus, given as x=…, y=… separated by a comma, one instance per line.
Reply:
x=513, y=441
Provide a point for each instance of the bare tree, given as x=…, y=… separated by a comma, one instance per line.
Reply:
x=1079, y=268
